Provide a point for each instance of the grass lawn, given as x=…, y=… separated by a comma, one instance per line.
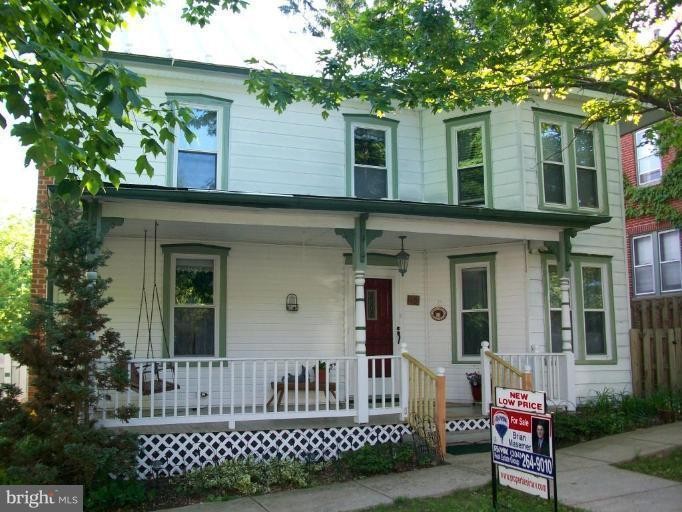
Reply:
x=474, y=500
x=664, y=465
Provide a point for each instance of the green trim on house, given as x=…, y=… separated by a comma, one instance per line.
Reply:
x=551, y=112
x=169, y=62
x=200, y=249
x=374, y=259
x=577, y=312
x=368, y=119
x=568, y=121
x=349, y=204
x=454, y=123
x=224, y=105
x=581, y=355
x=489, y=258
x=359, y=239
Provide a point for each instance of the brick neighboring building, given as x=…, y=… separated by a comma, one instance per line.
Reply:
x=654, y=248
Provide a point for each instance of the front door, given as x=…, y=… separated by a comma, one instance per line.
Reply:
x=379, y=317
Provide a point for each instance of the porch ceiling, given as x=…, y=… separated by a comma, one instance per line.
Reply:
x=283, y=235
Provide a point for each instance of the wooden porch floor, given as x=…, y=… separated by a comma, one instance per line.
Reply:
x=454, y=411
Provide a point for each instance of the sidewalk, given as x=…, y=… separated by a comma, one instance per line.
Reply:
x=585, y=479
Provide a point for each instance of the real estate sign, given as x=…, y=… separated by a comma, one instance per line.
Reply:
x=522, y=441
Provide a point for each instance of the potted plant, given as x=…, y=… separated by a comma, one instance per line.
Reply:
x=321, y=370
x=474, y=379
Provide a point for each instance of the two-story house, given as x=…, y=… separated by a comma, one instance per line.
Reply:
x=279, y=265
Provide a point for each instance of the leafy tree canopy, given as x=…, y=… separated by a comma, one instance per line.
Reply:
x=434, y=54
x=16, y=242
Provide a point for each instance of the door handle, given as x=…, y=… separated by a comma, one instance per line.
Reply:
x=398, y=332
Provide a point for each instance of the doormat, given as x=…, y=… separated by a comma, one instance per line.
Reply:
x=463, y=449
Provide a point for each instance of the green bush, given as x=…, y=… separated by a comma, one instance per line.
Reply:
x=610, y=413
x=116, y=494
x=377, y=459
x=246, y=477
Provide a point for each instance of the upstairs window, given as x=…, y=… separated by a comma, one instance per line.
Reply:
x=197, y=161
x=571, y=172
x=469, y=160
x=649, y=169
x=371, y=158
x=370, y=163
x=202, y=163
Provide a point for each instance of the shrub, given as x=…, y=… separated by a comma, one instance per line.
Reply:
x=116, y=494
x=246, y=477
x=378, y=459
x=610, y=413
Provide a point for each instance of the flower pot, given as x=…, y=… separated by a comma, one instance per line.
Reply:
x=476, y=393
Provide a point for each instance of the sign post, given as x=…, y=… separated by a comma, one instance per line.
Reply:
x=522, y=442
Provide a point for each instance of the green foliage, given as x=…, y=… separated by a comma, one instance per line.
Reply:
x=51, y=438
x=378, y=459
x=663, y=465
x=67, y=99
x=610, y=413
x=117, y=494
x=16, y=242
x=246, y=477
x=656, y=200
x=443, y=55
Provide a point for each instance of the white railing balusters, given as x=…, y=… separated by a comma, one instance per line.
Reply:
x=163, y=394
x=222, y=387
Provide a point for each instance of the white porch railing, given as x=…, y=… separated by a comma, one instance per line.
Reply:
x=553, y=373
x=194, y=390
x=13, y=373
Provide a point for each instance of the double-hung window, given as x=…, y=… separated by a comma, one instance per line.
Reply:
x=202, y=162
x=571, y=172
x=592, y=309
x=371, y=157
x=656, y=261
x=472, y=280
x=649, y=169
x=468, y=149
x=194, y=297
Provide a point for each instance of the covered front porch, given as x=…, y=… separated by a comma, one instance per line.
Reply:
x=310, y=317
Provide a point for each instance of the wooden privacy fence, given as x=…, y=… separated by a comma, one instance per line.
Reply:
x=656, y=345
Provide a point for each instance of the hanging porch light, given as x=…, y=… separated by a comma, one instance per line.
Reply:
x=402, y=257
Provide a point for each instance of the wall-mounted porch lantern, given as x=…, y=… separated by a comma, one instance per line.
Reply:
x=402, y=257
x=292, y=302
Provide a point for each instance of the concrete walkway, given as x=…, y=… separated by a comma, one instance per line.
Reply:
x=586, y=479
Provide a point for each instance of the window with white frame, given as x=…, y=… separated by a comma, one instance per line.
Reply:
x=657, y=266
x=643, y=262
x=194, y=317
x=670, y=261
x=649, y=169
x=468, y=160
x=472, y=278
x=571, y=171
x=202, y=162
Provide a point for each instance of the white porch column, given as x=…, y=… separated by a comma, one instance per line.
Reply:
x=486, y=379
x=566, y=330
x=362, y=388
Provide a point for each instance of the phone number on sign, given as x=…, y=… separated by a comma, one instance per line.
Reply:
x=531, y=462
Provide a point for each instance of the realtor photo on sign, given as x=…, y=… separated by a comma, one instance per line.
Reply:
x=541, y=436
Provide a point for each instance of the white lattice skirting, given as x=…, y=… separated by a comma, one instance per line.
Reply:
x=174, y=454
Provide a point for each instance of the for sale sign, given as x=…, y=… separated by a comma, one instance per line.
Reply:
x=519, y=400
x=523, y=441
x=524, y=482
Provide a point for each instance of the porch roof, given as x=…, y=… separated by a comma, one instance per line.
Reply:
x=349, y=204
